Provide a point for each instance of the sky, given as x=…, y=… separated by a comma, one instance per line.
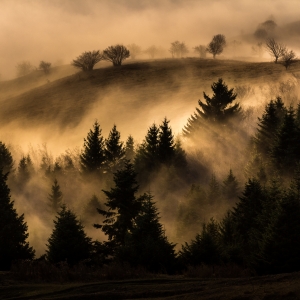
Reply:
x=60, y=30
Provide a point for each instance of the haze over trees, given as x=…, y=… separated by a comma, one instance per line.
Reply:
x=45, y=66
x=178, y=49
x=24, y=68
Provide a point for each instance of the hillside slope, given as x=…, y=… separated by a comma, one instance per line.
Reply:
x=135, y=94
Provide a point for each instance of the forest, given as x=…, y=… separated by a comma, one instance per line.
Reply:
x=157, y=206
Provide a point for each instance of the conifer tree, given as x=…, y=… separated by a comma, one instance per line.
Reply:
x=68, y=241
x=122, y=205
x=114, y=151
x=129, y=148
x=13, y=230
x=25, y=169
x=56, y=196
x=166, y=147
x=214, y=191
x=6, y=160
x=285, y=151
x=230, y=188
x=217, y=110
x=92, y=157
x=146, y=245
x=268, y=125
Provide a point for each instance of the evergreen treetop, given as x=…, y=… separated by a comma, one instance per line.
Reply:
x=6, y=160
x=129, y=148
x=56, y=196
x=92, y=157
x=68, y=241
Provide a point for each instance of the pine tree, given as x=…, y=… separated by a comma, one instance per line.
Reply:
x=56, y=196
x=114, y=151
x=216, y=110
x=146, y=159
x=122, y=204
x=92, y=157
x=68, y=241
x=13, y=230
x=285, y=149
x=166, y=146
x=6, y=160
x=214, y=192
x=92, y=206
x=146, y=245
x=268, y=125
x=25, y=170
x=129, y=148
x=230, y=188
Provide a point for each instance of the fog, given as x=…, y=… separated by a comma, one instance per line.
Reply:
x=58, y=31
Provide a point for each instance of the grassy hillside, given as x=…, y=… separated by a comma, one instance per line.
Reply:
x=146, y=84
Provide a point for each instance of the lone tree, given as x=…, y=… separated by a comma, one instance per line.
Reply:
x=216, y=110
x=152, y=51
x=92, y=157
x=216, y=46
x=277, y=50
x=201, y=50
x=45, y=67
x=13, y=230
x=68, y=241
x=288, y=58
x=116, y=54
x=87, y=60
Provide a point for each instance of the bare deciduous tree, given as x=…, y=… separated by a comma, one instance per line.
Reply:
x=116, y=54
x=216, y=46
x=24, y=68
x=201, y=49
x=288, y=58
x=178, y=49
x=87, y=60
x=275, y=49
x=45, y=66
x=134, y=50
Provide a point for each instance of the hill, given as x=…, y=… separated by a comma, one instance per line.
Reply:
x=133, y=96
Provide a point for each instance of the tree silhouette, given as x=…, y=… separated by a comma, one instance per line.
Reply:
x=116, y=54
x=55, y=197
x=129, y=148
x=216, y=46
x=13, y=230
x=123, y=206
x=114, y=151
x=146, y=245
x=92, y=157
x=68, y=241
x=6, y=160
x=216, y=110
x=275, y=49
x=87, y=60
x=45, y=66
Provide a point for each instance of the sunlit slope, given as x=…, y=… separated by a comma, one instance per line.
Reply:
x=139, y=86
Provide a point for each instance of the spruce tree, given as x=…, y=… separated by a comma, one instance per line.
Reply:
x=146, y=245
x=217, y=110
x=166, y=145
x=129, y=148
x=122, y=205
x=68, y=241
x=92, y=157
x=6, y=160
x=25, y=170
x=268, y=126
x=114, y=151
x=285, y=149
x=13, y=230
x=230, y=188
x=55, y=197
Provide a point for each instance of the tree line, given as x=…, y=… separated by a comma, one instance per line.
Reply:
x=260, y=230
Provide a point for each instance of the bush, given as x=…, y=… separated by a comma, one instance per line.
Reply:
x=87, y=60
x=116, y=54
